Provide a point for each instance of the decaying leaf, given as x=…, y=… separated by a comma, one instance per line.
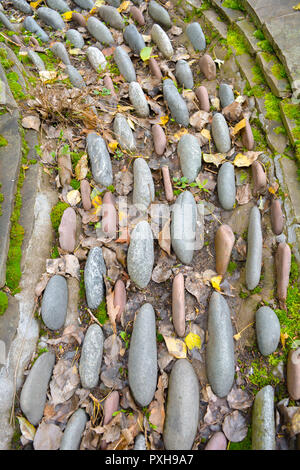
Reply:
x=199, y=119
x=239, y=399
x=243, y=194
x=156, y=408
x=27, y=429
x=112, y=311
x=283, y=337
x=215, y=158
x=239, y=126
x=164, y=238
x=215, y=282
x=235, y=426
x=246, y=159
x=48, y=437
x=176, y=347
x=47, y=75
x=31, y=122
x=82, y=168
x=64, y=382
x=73, y=197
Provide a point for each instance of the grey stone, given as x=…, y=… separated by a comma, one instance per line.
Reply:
x=161, y=39
x=176, y=103
x=31, y=25
x=143, y=186
x=59, y=5
x=74, y=430
x=94, y=271
x=5, y=21
x=226, y=95
x=226, y=186
x=75, y=38
x=134, y=39
x=124, y=64
x=51, y=18
x=254, y=249
x=142, y=359
x=182, y=412
x=189, y=152
x=263, y=420
x=33, y=394
x=136, y=2
x=124, y=133
x=60, y=51
x=220, y=348
x=267, y=330
x=55, y=302
x=100, y=159
x=100, y=32
x=85, y=4
x=91, y=356
x=183, y=227
x=140, y=443
x=159, y=14
x=196, y=36
x=140, y=255
x=138, y=99
x=36, y=60
x=111, y=16
x=75, y=77
x=96, y=58
x=114, y=3
x=23, y=6
x=184, y=74
x=220, y=133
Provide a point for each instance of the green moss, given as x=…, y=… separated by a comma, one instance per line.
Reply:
x=49, y=59
x=75, y=157
x=75, y=184
x=5, y=62
x=280, y=130
x=56, y=214
x=231, y=267
x=245, y=444
x=258, y=34
x=3, y=302
x=272, y=107
x=3, y=141
x=258, y=76
x=14, y=85
x=278, y=71
x=233, y=4
x=260, y=140
x=262, y=375
x=54, y=252
x=265, y=46
x=101, y=313
x=258, y=91
x=236, y=40
x=81, y=286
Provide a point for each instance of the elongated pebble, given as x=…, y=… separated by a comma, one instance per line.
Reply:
x=31, y=25
x=94, y=271
x=123, y=133
x=124, y=64
x=140, y=443
x=159, y=139
x=73, y=432
x=67, y=230
x=75, y=38
x=224, y=241
x=143, y=185
x=196, y=36
x=208, y=67
x=108, y=83
x=138, y=99
x=283, y=267
x=183, y=227
x=159, y=14
x=226, y=95
x=267, y=330
x=263, y=420
x=60, y=51
x=100, y=32
x=293, y=374
x=140, y=255
x=247, y=136
x=220, y=133
x=79, y=18
x=111, y=405
x=137, y=15
x=189, y=152
x=75, y=77
x=85, y=191
x=96, y=58
x=176, y=103
x=184, y=74
x=161, y=39
x=154, y=68
x=109, y=215
x=36, y=60
x=85, y=4
x=134, y=39
x=55, y=302
x=59, y=5
x=259, y=178
x=178, y=304
x=23, y=6
x=120, y=297
x=254, y=249
x=51, y=18
x=217, y=441
x=91, y=356
x=277, y=220
x=226, y=186
x=111, y=16
x=202, y=95
x=100, y=159
x=167, y=184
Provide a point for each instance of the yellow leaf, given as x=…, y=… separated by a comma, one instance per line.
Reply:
x=81, y=168
x=240, y=125
x=75, y=51
x=73, y=197
x=180, y=133
x=176, y=347
x=193, y=341
x=97, y=203
x=92, y=11
x=67, y=16
x=131, y=124
x=206, y=133
x=215, y=282
x=113, y=145
x=283, y=337
x=47, y=76
x=164, y=120
x=123, y=6
x=296, y=7
x=27, y=429
x=215, y=158
x=245, y=159
x=34, y=5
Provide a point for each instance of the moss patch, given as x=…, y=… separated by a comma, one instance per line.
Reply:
x=272, y=107
x=3, y=141
x=3, y=302
x=56, y=214
x=233, y=4
x=236, y=40
x=101, y=313
x=14, y=85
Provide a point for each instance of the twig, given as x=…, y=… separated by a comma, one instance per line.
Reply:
x=10, y=40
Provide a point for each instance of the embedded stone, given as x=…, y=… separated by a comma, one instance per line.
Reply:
x=59, y=5
x=183, y=227
x=226, y=186
x=226, y=95
x=134, y=39
x=189, y=152
x=140, y=443
x=23, y=6
x=100, y=32
x=143, y=186
x=196, y=36
x=140, y=255
x=85, y=4
x=217, y=441
x=124, y=64
x=263, y=420
x=114, y=3
x=184, y=74
x=159, y=139
x=137, y=15
x=91, y=356
x=85, y=191
x=75, y=77
x=34, y=392
x=259, y=178
x=293, y=374
x=283, y=267
x=36, y=60
x=94, y=271
x=267, y=330
x=120, y=298
x=109, y=215
x=31, y=25
x=182, y=411
x=167, y=184
x=96, y=58
x=111, y=405
x=254, y=249
x=123, y=133
x=51, y=18
x=138, y=99
x=160, y=38
x=100, y=159
x=176, y=103
x=202, y=95
x=178, y=304
x=73, y=432
x=60, y=51
x=155, y=69
x=111, y=16
x=159, y=14
x=79, y=18
x=224, y=241
x=55, y=302
x=142, y=359
x=220, y=365
x=220, y=133
x=247, y=137
x=67, y=230
x=75, y=38
x=277, y=220
x=208, y=67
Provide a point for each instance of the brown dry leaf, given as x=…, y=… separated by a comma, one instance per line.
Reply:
x=240, y=125
x=175, y=30
x=41, y=285
x=70, y=333
x=239, y=399
x=123, y=182
x=48, y=437
x=156, y=408
x=82, y=168
x=47, y=76
x=176, y=347
x=246, y=159
x=199, y=119
x=243, y=194
x=235, y=426
x=112, y=311
x=233, y=111
x=27, y=429
x=31, y=122
x=72, y=266
x=215, y=158
x=164, y=238
x=64, y=382
x=161, y=273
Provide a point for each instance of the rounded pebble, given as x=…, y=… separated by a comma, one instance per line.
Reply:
x=196, y=36
x=208, y=67
x=217, y=441
x=91, y=356
x=67, y=230
x=183, y=227
x=159, y=14
x=138, y=99
x=73, y=432
x=55, y=302
x=161, y=39
x=159, y=139
x=202, y=95
x=140, y=255
x=184, y=74
x=189, y=152
x=226, y=95
x=226, y=186
x=94, y=271
x=267, y=330
x=220, y=133
x=224, y=241
x=263, y=420
x=178, y=304
x=259, y=178
x=254, y=249
x=293, y=374
x=176, y=103
x=124, y=64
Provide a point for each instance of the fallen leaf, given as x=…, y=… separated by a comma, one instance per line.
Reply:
x=283, y=337
x=67, y=16
x=206, y=134
x=199, y=119
x=192, y=340
x=64, y=382
x=112, y=311
x=180, y=133
x=296, y=7
x=176, y=347
x=164, y=120
x=246, y=159
x=175, y=30
x=123, y=6
x=145, y=53
x=161, y=273
x=243, y=194
x=75, y=51
x=34, y=5
x=156, y=408
x=47, y=75
x=240, y=125
x=215, y=282
x=233, y=111
x=48, y=437
x=72, y=266
x=31, y=122
x=27, y=429
x=73, y=197
x=164, y=238
x=82, y=168
x=113, y=145
x=235, y=426
x=215, y=158
x=239, y=399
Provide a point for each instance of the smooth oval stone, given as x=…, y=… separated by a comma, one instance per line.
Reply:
x=196, y=36
x=259, y=178
x=226, y=95
x=277, y=220
x=111, y=16
x=154, y=68
x=182, y=411
x=267, y=330
x=91, y=356
x=100, y=32
x=124, y=64
x=100, y=159
x=143, y=186
x=124, y=133
x=79, y=18
x=110, y=406
x=109, y=215
x=254, y=249
x=138, y=99
x=140, y=443
x=140, y=255
x=160, y=38
x=142, y=358
x=220, y=366
x=283, y=267
x=51, y=18
x=167, y=184
x=159, y=139
x=202, y=95
x=85, y=191
x=220, y=133
x=84, y=4
x=263, y=420
x=226, y=186
x=293, y=374
x=67, y=230
x=224, y=241
x=75, y=77
x=31, y=25
x=36, y=60
x=55, y=302
x=120, y=297
x=60, y=51
x=74, y=430
x=34, y=392
x=23, y=6
x=75, y=38
x=217, y=441
x=183, y=227
x=247, y=136
x=184, y=74
x=178, y=304
x=159, y=14
x=189, y=152
x=208, y=67
x=137, y=15
x=176, y=103
x=134, y=39
x=59, y=5
x=96, y=58
x=94, y=271
x=8, y=25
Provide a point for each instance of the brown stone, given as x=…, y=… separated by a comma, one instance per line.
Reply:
x=65, y=170
x=202, y=95
x=208, y=67
x=283, y=266
x=247, y=136
x=67, y=230
x=217, y=441
x=79, y=18
x=85, y=191
x=155, y=69
x=277, y=220
x=159, y=138
x=259, y=178
x=108, y=83
x=34, y=41
x=16, y=39
x=137, y=15
x=167, y=183
x=120, y=297
x=109, y=215
x=178, y=304
x=293, y=374
x=111, y=405
x=224, y=241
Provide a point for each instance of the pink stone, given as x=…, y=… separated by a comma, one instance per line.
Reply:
x=202, y=95
x=108, y=83
x=208, y=67
x=85, y=191
x=159, y=138
x=218, y=441
x=109, y=215
x=111, y=405
x=259, y=178
x=276, y=217
x=293, y=374
x=247, y=136
x=283, y=266
x=120, y=297
x=67, y=230
x=79, y=19
x=178, y=304
x=155, y=69
x=137, y=15
x=224, y=241
x=167, y=183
